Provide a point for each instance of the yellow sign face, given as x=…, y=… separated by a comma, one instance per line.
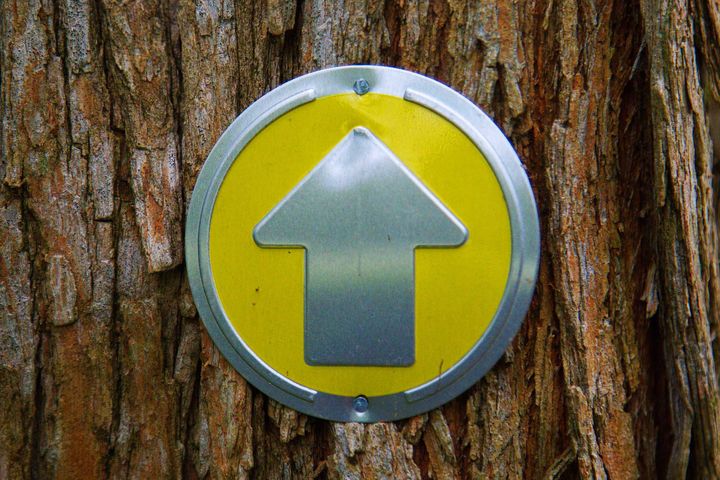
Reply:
x=362, y=244
x=457, y=290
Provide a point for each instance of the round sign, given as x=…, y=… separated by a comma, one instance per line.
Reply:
x=362, y=244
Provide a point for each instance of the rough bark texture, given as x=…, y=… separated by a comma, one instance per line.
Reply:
x=108, y=109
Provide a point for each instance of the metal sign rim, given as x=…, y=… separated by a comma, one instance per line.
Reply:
x=524, y=223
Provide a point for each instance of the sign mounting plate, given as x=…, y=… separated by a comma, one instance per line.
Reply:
x=362, y=254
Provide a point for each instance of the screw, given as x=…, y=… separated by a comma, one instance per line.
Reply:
x=361, y=87
x=360, y=404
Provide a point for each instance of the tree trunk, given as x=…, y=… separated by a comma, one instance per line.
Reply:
x=109, y=109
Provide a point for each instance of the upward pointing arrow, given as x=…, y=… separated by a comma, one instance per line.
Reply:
x=360, y=214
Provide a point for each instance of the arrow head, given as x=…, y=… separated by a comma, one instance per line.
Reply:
x=360, y=190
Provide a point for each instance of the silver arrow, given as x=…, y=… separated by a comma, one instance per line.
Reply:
x=360, y=214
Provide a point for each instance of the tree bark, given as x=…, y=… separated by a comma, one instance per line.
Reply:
x=108, y=110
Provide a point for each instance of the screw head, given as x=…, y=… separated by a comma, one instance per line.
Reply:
x=361, y=404
x=361, y=86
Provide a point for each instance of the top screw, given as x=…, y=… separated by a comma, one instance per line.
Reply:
x=361, y=86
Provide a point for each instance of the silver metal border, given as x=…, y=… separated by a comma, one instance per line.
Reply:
x=524, y=226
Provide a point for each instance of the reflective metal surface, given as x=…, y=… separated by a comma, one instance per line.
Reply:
x=360, y=214
x=520, y=203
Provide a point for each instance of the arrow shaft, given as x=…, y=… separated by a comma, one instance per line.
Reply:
x=359, y=307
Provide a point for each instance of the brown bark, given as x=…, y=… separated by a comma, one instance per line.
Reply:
x=108, y=110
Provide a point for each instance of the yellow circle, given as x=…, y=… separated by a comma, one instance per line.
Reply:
x=457, y=290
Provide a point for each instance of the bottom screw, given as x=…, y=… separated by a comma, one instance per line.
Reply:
x=360, y=404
